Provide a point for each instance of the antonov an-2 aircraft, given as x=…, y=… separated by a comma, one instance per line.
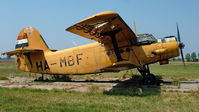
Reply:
x=116, y=48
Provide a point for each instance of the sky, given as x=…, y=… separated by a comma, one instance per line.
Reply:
x=52, y=17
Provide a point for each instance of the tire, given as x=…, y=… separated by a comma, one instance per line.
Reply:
x=149, y=79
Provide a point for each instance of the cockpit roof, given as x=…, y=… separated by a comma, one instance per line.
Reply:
x=145, y=35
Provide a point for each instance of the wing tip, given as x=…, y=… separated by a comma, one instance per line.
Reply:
x=105, y=13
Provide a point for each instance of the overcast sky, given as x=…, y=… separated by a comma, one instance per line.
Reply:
x=52, y=17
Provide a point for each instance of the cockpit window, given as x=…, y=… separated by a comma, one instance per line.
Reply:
x=144, y=39
x=167, y=39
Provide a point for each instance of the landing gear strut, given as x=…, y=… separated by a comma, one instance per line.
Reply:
x=148, y=78
x=41, y=78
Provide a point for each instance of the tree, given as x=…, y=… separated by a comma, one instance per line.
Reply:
x=188, y=57
x=193, y=56
x=178, y=59
x=172, y=59
x=8, y=57
x=198, y=56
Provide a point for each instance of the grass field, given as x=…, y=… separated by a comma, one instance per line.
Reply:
x=172, y=71
x=10, y=69
x=27, y=100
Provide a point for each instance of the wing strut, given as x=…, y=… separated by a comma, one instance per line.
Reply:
x=114, y=42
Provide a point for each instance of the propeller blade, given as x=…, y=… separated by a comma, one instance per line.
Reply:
x=182, y=55
x=178, y=33
x=181, y=45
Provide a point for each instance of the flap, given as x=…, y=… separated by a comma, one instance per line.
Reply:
x=99, y=27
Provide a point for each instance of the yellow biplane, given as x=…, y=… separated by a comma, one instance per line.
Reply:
x=116, y=48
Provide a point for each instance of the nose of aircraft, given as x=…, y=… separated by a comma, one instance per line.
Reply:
x=181, y=45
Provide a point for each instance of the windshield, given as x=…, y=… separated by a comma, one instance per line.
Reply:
x=143, y=39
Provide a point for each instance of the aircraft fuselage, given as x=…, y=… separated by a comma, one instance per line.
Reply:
x=94, y=57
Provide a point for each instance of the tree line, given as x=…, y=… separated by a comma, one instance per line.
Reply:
x=192, y=57
x=189, y=57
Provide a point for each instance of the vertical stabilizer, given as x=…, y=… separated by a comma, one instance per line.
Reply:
x=29, y=37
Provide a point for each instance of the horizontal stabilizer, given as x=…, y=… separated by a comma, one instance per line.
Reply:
x=21, y=51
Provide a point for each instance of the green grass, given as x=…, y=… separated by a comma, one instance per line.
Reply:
x=10, y=69
x=4, y=78
x=170, y=71
x=26, y=100
x=176, y=72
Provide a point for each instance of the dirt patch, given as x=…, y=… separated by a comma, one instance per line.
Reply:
x=97, y=86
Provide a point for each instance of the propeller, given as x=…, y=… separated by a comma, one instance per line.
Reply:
x=181, y=44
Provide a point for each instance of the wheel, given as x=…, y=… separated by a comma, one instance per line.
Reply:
x=149, y=79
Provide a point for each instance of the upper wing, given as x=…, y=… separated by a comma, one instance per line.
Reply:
x=101, y=26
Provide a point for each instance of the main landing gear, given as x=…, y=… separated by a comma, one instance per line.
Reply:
x=148, y=78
